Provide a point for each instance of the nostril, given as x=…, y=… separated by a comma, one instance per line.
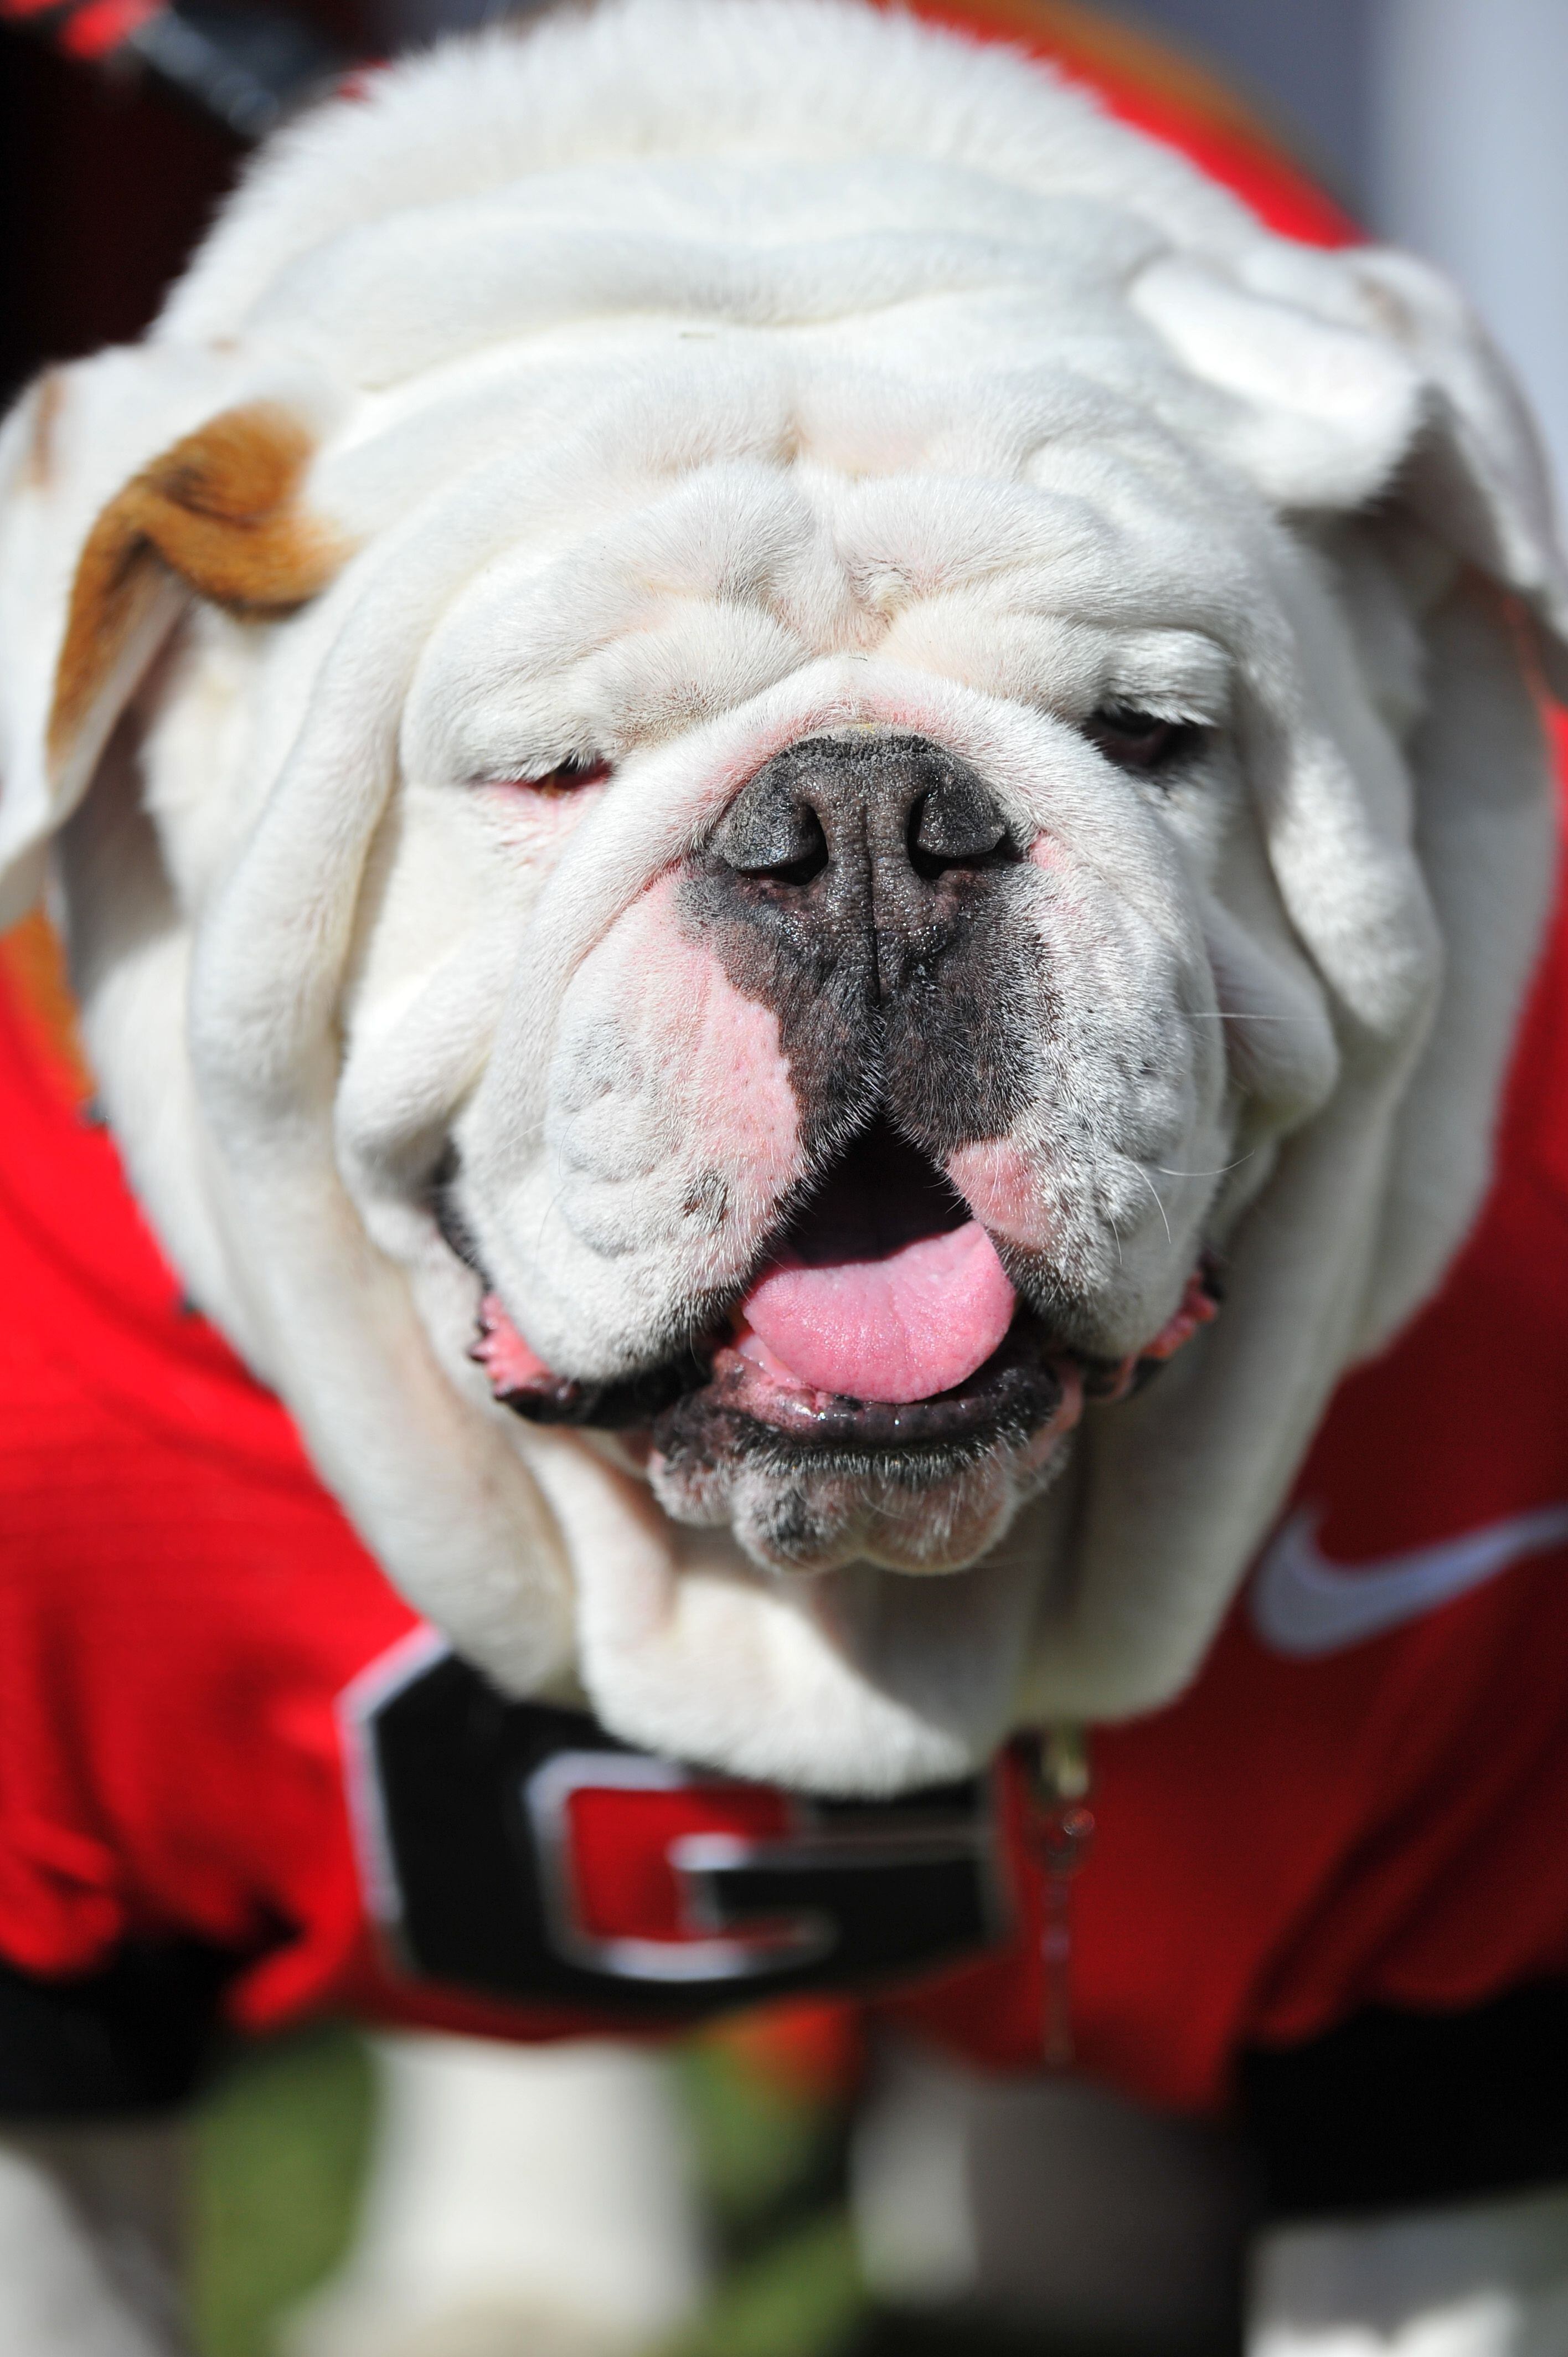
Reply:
x=773, y=831
x=798, y=858
x=810, y=861
x=956, y=824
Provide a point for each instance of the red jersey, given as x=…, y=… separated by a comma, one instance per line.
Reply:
x=218, y=1723
x=220, y=1727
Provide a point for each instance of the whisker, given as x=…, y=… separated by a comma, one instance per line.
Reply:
x=547, y=1215
x=1154, y=1192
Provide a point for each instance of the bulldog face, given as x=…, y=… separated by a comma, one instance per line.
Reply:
x=863, y=1091
x=750, y=805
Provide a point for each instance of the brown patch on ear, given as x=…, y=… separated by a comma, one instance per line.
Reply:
x=221, y=510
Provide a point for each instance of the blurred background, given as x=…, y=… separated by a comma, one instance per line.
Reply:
x=1441, y=124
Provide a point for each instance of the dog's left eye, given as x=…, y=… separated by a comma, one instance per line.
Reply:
x=565, y=778
x=1138, y=740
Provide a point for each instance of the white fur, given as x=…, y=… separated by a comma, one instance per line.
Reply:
x=690, y=377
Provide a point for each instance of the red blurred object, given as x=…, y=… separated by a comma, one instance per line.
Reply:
x=812, y=2050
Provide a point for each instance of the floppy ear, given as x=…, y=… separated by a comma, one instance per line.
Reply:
x=1358, y=385
x=105, y=534
x=1362, y=377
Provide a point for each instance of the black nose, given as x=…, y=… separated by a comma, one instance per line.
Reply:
x=867, y=889
x=889, y=812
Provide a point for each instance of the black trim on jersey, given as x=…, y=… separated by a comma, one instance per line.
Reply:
x=134, y=2038
x=1394, y=2110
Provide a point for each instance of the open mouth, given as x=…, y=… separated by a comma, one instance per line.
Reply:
x=883, y=1319
x=881, y=1322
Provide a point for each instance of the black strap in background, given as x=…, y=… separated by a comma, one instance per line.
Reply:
x=134, y=2039
x=1394, y=2110
x=244, y=66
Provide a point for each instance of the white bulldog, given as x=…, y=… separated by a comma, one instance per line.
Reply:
x=773, y=746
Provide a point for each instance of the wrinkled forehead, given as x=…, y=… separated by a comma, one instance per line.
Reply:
x=749, y=244
x=881, y=317
x=677, y=430
x=621, y=611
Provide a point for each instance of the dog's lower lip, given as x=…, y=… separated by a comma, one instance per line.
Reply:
x=1021, y=1386
x=1019, y=1389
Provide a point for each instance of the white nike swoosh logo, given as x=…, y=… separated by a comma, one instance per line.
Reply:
x=1303, y=1605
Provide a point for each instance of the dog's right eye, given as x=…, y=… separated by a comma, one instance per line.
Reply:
x=567, y=778
x=1138, y=740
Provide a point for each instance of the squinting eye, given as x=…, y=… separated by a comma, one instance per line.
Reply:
x=567, y=778
x=1139, y=740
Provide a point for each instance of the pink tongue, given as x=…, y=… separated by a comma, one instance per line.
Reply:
x=916, y=1322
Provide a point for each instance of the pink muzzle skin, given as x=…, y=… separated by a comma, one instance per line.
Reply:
x=511, y=1364
x=1198, y=1306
